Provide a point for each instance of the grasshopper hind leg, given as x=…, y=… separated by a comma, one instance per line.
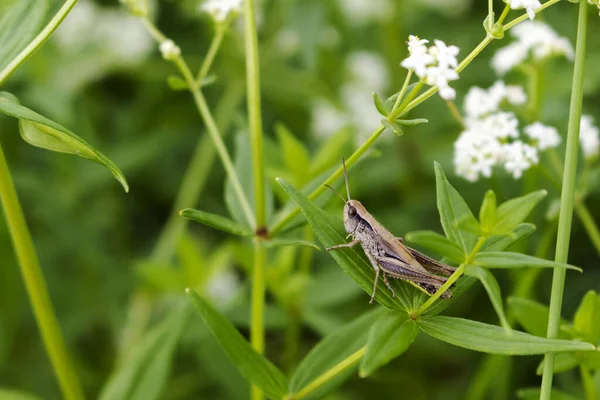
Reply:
x=431, y=289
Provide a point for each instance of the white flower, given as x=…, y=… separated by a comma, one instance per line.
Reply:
x=509, y=57
x=518, y=157
x=529, y=5
x=222, y=287
x=169, y=50
x=369, y=69
x=435, y=65
x=589, y=137
x=501, y=125
x=535, y=38
x=515, y=95
x=221, y=9
x=544, y=136
x=475, y=154
x=478, y=102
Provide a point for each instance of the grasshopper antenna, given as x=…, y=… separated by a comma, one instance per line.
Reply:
x=336, y=192
x=346, y=178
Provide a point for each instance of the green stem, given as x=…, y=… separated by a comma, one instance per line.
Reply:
x=254, y=111
x=504, y=14
x=589, y=224
x=451, y=279
x=490, y=17
x=328, y=375
x=455, y=113
x=215, y=44
x=38, y=41
x=208, y=119
x=36, y=286
x=403, y=90
x=567, y=196
x=401, y=110
x=589, y=386
x=257, y=327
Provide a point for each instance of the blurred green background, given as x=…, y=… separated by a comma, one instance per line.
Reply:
x=101, y=76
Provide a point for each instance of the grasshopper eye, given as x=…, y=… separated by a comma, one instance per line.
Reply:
x=351, y=211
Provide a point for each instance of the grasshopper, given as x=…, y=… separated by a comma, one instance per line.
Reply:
x=387, y=253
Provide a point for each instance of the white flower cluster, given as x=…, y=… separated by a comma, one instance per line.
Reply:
x=529, y=5
x=533, y=38
x=435, y=65
x=220, y=10
x=363, y=12
x=491, y=136
x=169, y=50
x=589, y=137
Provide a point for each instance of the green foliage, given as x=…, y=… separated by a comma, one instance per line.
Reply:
x=40, y=131
x=216, y=221
x=251, y=365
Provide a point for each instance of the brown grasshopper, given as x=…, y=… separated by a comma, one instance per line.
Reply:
x=387, y=253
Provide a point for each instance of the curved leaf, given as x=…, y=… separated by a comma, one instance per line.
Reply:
x=493, y=339
x=532, y=316
x=216, y=221
x=40, y=131
x=501, y=242
x=389, y=337
x=506, y=259
x=514, y=211
x=492, y=288
x=333, y=349
x=253, y=366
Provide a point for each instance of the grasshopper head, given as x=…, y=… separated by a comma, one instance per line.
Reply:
x=352, y=211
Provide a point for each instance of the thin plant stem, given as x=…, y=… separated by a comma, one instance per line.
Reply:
x=36, y=287
x=257, y=329
x=327, y=376
x=589, y=224
x=567, y=196
x=403, y=90
x=280, y=224
x=215, y=44
x=589, y=386
x=490, y=17
x=455, y=113
x=504, y=14
x=38, y=41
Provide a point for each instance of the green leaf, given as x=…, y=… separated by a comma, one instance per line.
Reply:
x=145, y=371
x=452, y=209
x=501, y=242
x=379, y=105
x=411, y=122
x=40, y=131
x=492, y=288
x=253, y=366
x=487, y=212
x=506, y=259
x=389, y=337
x=216, y=221
x=563, y=362
x=493, y=339
x=176, y=83
x=333, y=349
x=392, y=126
x=18, y=26
x=437, y=243
x=288, y=242
x=534, y=394
x=512, y=212
x=330, y=232
x=294, y=153
x=531, y=315
x=587, y=317
x=11, y=394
